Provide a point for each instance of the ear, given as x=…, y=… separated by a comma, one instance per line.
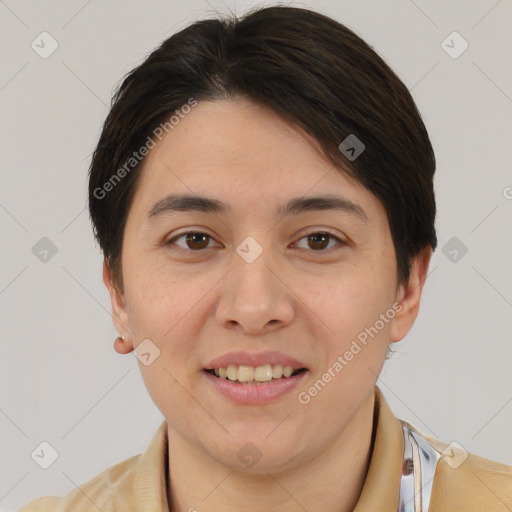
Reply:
x=119, y=313
x=409, y=295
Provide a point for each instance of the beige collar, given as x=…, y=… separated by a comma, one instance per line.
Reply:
x=380, y=490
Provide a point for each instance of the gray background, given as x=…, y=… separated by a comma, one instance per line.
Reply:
x=60, y=379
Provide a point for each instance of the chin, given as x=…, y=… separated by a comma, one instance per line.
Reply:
x=258, y=453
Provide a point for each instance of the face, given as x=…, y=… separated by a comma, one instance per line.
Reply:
x=304, y=284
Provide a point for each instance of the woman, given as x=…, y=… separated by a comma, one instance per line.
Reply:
x=262, y=192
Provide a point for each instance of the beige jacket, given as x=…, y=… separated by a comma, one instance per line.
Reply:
x=139, y=484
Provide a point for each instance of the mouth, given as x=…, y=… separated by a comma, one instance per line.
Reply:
x=249, y=385
x=259, y=375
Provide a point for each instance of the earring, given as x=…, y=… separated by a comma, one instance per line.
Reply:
x=122, y=345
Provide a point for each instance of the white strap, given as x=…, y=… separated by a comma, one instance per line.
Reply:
x=418, y=469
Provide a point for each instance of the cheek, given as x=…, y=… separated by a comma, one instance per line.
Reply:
x=354, y=348
x=157, y=298
x=350, y=309
x=164, y=310
x=350, y=299
x=171, y=390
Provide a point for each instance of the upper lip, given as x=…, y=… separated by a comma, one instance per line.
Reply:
x=254, y=359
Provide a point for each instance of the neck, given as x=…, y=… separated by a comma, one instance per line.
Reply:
x=330, y=482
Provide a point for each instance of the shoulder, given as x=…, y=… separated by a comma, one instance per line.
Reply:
x=469, y=483
x=97, y=493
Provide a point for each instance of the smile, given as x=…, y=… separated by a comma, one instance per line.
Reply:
x=253, y=392
x=258, y=375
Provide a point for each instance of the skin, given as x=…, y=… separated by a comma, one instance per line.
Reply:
x=293, y=298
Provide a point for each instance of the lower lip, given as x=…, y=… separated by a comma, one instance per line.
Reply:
x=255, y=393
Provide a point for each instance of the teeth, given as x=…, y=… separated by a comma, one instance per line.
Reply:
x=231, y=372
x=262, y=373
x=245, y=373
x=277, y=371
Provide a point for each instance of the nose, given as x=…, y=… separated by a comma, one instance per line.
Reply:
x=255, y=298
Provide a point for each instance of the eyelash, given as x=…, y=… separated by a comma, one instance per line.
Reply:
x=188, y=251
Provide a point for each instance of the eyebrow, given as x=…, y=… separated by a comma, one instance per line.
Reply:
x=187, y=203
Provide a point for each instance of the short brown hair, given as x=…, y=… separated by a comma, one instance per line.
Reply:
x=312, y=71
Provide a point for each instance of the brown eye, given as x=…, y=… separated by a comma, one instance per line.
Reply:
x=319, y=241
x=195, y=241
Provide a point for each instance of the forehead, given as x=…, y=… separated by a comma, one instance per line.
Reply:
x=245, y=152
